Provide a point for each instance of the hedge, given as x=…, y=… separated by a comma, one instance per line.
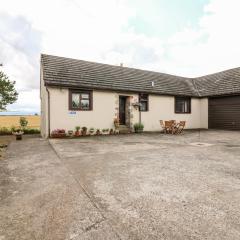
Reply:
x=8, y=131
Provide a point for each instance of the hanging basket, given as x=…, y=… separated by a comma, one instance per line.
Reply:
x=136, y=105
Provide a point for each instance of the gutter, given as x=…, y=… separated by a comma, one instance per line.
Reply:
x=48, y=93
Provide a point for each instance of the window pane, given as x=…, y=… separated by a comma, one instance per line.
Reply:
x=182, y=105
x=143, y=106
x=85, y=104
x=75, y=100
x=186, y=106
x=143, y=99
x=85, y=95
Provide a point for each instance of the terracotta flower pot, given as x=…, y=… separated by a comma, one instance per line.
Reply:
x=77, y=133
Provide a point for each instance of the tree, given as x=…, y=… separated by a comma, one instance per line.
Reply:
x=8, y=94
x=23, y=122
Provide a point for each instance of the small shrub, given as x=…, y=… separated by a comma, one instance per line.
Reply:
x=13, y=129
x=105, y=130
x=5, y=131
x=84, y=131
x=91, y=130
x=77, y=128
x=116, y=122
x=31, y=131
x=23, y=122
x=98, y=132
x=138, y=127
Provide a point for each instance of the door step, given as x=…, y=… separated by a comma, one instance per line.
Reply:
x=124, y=129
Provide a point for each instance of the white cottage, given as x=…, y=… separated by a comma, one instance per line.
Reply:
x=81, y=93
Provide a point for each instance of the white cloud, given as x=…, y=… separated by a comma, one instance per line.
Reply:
x=100, y=31
x=29, y=102
x=214, y=46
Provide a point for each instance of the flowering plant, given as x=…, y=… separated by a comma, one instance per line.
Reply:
x=116, y=122
x=58, y=133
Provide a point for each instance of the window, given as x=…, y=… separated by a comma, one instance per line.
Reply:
x=80, y=100
x=182, y=105
x=143, y=100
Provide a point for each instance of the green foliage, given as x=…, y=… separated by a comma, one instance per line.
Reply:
x=77, y=128
x=8, y=131
x=70, y=132
x=8, y=94
x=13, y=129
x=138, y=127
x=91, y=130
x=105, y=130
x=84, y=129
x=23, y=122
x=5, y=131
x=31, y=131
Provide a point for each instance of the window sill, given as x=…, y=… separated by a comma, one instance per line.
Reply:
x=182, y=112
x=80, y=110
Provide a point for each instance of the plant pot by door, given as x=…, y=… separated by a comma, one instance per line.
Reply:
x=19, y=137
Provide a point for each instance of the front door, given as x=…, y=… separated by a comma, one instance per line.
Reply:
x=122, y=110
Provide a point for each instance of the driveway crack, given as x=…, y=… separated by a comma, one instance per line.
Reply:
x=88, y=195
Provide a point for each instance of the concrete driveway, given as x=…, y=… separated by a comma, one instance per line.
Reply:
x=147, y=186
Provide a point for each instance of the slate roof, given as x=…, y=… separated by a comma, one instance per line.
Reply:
x=221, y=83
x=67, y=72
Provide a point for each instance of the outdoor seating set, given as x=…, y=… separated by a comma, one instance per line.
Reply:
x=172, y=127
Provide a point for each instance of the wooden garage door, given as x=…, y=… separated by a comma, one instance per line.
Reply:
x=224, y=113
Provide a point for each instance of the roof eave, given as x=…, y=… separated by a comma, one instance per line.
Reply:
x=85, y=87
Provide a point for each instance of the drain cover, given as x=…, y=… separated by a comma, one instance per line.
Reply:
x=200, y=144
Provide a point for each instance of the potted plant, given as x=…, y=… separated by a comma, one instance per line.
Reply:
x=111, y=131
x=138, y=127
x=105, y=131
x=91, y=130
x=84, y=131
x=116, y=122
x=23, y=122
x=70, y=133
x=98, y=132
x=58, y=133
x=77, y=132
x=18, y=133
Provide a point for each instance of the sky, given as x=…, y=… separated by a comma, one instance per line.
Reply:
x=181, y=37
